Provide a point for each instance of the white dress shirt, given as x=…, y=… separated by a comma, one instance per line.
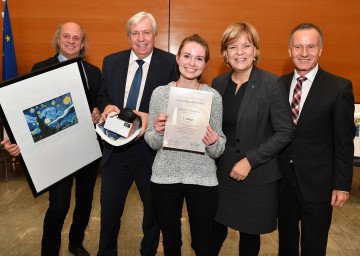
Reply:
x=306, y=85
x=133, y=66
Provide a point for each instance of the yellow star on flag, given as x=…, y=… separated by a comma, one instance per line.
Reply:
x=7, y=38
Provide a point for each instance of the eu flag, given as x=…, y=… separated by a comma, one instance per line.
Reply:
x=9, y=67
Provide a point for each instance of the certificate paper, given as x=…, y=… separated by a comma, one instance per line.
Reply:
x=188, y=115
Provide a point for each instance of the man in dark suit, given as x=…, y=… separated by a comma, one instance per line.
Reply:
x=317, y=165
x=133, y=161
x=69, y=42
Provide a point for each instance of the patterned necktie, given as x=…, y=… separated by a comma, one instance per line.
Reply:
x=295, y=104
x=135, y=87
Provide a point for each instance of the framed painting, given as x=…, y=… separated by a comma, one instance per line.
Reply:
x=47, y=114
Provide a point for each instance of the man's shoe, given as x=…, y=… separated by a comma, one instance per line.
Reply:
x=78, y=250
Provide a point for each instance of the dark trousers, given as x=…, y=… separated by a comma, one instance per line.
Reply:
x=201, y=202
x=315, y=219
x=59, y=203
x=122, y=168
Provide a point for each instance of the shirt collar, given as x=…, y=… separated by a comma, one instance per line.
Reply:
x=311, y=75
x=133, y=57
x=62, y=58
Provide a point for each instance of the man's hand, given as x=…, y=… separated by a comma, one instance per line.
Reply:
x=13, y=149
x=144, y=121
x=338, y=198
x=95, y=115
x=108, y=109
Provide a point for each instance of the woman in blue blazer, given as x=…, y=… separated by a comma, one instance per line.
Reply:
x=257, y=123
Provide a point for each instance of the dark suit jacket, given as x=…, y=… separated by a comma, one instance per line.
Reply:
x=93, y=75
x=264, y=125
x=322, y=151
x=162, y=70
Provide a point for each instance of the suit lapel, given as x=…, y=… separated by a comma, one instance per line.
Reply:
x=313, y=96
x=249, y=93
x=120, y=71
x=223, y=83
x=287, y=82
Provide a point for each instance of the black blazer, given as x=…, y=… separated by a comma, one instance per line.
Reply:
x=93, y=75
x=322, y=151
x=162, y=70
x=264, y=125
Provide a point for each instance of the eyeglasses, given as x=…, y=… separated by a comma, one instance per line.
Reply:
x=244, y=47
x=309, y=47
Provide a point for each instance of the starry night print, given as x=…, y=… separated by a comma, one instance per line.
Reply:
x=51, y=117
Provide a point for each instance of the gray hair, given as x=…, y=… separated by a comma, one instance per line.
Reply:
x=137, y=18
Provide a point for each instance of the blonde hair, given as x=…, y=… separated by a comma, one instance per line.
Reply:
x=233, y=32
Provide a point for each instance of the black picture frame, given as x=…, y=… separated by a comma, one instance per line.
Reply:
x=46, y=112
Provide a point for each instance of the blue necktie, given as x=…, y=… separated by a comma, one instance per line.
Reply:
x=135, y=87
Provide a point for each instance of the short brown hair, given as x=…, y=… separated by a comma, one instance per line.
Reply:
x=305, y=26
x=197, y=39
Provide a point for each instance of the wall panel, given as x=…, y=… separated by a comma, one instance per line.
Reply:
x=274, y=21
x=34, y=23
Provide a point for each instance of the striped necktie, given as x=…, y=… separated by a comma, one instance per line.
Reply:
x=295, y=104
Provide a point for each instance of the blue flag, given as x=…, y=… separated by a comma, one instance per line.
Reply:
x=9, y=67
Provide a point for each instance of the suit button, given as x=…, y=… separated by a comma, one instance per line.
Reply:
x=237, y=140
x=237, y=151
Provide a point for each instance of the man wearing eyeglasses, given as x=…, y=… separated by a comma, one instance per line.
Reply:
x=317, y=165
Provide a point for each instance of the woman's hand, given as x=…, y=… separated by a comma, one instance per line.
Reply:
x=210, y=136
x=13, y=149
x=241, y=170
x=159, y=123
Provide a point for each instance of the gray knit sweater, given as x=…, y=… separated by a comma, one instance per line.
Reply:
x=172, y=166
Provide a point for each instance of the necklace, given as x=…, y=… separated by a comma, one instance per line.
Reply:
x=198, y=87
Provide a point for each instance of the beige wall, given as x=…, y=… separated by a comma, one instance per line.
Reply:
x=34, y=22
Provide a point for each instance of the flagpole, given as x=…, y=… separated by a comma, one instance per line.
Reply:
x=2, y=13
